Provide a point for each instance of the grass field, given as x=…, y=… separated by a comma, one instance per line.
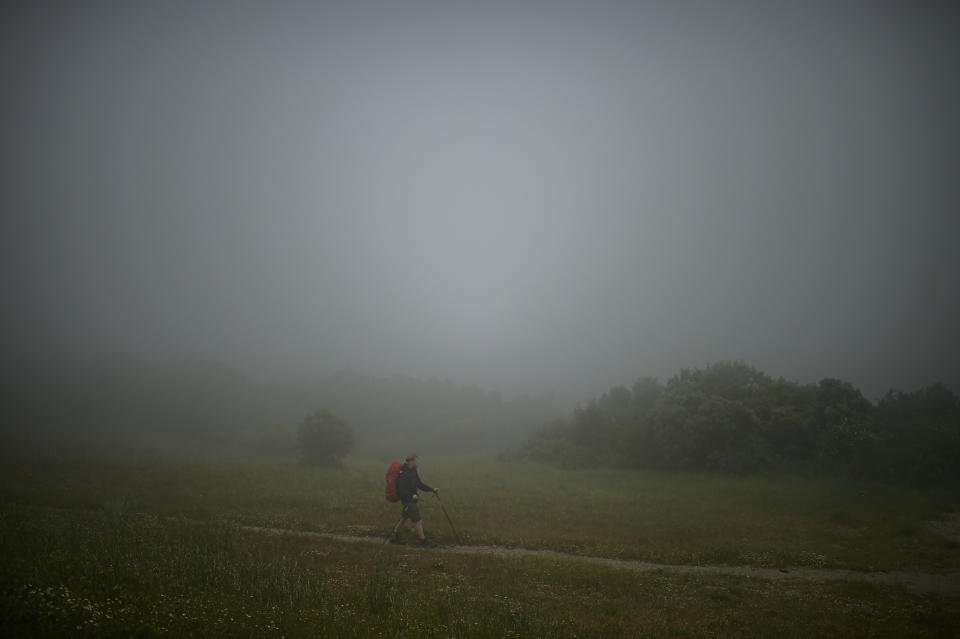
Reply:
x=153, y=546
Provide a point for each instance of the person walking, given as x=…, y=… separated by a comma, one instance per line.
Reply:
x=408, y=482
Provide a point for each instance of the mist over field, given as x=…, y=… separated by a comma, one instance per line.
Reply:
x=534, y=198
x=523, y=196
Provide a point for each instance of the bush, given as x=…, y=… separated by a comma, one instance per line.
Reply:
x=324, y=438
x=918, y=437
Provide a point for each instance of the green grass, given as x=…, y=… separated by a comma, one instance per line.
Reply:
x=153, y=547
x=661, y=517
x=114, y=572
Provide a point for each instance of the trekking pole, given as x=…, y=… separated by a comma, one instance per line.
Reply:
x=455, y=536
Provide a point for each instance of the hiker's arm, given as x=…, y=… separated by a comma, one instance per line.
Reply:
x=423, y=486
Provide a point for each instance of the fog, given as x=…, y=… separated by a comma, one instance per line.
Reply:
x=532, y=198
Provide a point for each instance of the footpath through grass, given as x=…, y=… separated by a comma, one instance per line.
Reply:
x=658, y=517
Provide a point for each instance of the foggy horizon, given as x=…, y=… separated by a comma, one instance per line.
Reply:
x=526, y=197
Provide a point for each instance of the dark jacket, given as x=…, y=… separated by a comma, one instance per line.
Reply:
x=408, y=481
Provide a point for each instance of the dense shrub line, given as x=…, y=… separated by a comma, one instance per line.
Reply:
x=731, y=417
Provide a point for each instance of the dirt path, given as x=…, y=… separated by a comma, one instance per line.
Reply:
x=948, y=585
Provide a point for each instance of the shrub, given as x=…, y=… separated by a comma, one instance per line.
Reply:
x=324, y=438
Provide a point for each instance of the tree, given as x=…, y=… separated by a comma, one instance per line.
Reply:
x=324, y=438
x=731, y=380
x=918, y=438
x=841, y=417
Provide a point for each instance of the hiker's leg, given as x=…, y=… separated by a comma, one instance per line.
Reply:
x=399, y=523
x=413, y=513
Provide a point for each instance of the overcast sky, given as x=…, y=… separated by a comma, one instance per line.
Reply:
x=524, y=196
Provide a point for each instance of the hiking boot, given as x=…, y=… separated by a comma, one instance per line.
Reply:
x=395, y=539
x=426, y=543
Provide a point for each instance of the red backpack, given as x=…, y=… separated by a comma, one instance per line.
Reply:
x=392, y=473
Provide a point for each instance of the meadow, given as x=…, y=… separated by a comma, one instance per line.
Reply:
x=155, y=546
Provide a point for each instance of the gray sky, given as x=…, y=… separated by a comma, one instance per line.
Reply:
x=524, y=196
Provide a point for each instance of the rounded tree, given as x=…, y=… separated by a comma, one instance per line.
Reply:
x=324, y=438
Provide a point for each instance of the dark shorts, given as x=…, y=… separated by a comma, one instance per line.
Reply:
x=412, y=512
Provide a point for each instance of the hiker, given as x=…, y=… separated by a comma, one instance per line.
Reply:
x=408, y=481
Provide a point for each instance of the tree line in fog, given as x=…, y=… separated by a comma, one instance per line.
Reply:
x=732, y=417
